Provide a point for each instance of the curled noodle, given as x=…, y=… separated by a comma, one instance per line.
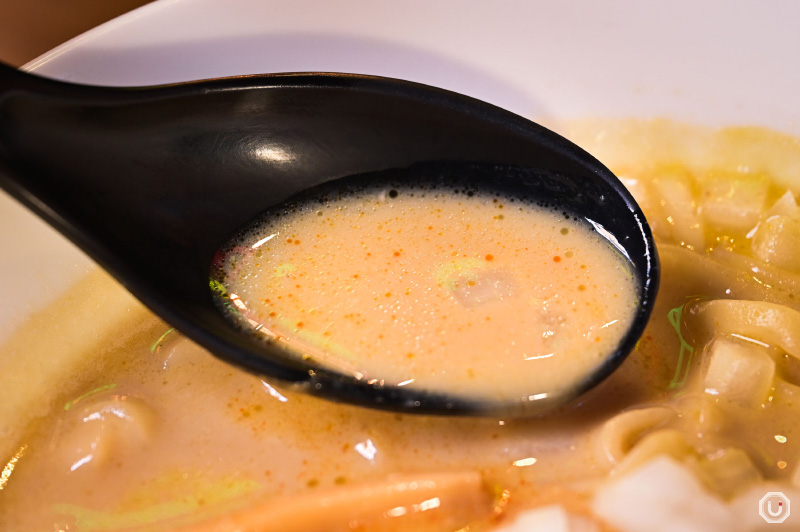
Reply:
x=769, y=323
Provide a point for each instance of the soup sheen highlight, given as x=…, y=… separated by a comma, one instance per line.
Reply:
x=111, y=421
x=468, y=293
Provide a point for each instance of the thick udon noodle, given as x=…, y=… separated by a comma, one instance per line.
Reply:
x=107, y=424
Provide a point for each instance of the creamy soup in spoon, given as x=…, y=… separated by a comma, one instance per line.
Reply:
x=463, y=292
x=111, y=421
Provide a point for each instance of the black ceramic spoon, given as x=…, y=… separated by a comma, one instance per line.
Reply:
x=151, y=181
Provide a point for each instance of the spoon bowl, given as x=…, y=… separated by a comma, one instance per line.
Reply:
x=150, y=182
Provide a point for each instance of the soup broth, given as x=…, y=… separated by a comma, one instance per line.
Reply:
x=121, y=424
x=467, y=293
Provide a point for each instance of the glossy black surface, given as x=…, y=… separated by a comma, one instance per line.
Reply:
x=151, y=181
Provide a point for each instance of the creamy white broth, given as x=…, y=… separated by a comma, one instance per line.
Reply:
x=196, y=439
x=467, y=293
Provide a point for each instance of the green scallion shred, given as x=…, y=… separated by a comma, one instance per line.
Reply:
x=686, y=353
x=284, y=269
x=90, y=393
x=218, y=287
x=160, y=340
